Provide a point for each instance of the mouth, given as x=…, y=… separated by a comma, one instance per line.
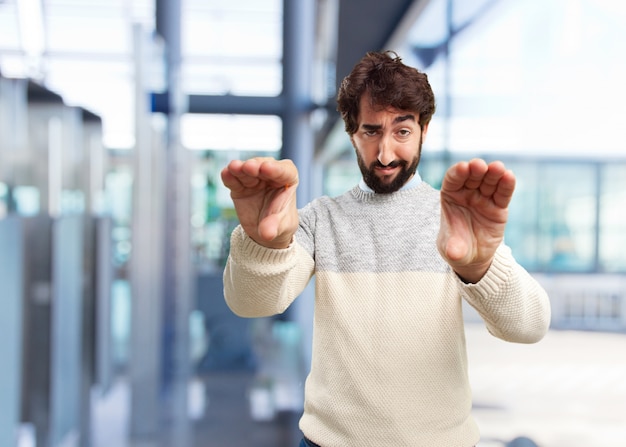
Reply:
x=385, y=171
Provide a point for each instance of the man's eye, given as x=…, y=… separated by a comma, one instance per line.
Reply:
x=404, y=132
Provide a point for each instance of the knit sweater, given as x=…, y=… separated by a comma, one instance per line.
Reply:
x=389, y=365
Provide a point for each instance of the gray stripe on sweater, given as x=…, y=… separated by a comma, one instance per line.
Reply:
x=366, y=232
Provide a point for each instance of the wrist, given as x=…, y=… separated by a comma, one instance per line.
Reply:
x=472, y=274
x=273, y=244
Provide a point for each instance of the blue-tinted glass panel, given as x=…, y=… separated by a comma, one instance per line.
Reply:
x=566, y=217
x=612, y=250
x=522, y=230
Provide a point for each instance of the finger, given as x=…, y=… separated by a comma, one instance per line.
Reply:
x=505, y=188
x=229, y=179
x=282, y=173
x=477, y=171
x=251, y=174
x=241, y=175
x=491, y=179
x=260, y=169
x=455, y=177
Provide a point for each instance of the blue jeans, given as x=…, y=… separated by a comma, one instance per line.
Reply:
x=303, y=443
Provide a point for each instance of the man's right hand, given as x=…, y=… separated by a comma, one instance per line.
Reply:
x=264, y=194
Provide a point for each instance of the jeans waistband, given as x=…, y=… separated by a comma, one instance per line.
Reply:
x=310, y=443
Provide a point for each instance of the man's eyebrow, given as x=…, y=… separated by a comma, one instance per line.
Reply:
x=399, y=119
x=396, y=120
x=371, y=126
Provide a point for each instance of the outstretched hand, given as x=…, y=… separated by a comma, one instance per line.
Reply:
x=264, y=194
x=474, y=211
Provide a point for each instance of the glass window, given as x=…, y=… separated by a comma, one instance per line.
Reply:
x=612, y=235
x=552, y=217
x=567, y=217
x=232, y=47
x=515, y=70
x=522, y=229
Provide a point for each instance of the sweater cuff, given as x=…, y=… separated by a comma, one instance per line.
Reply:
x=245, y=251
x=495, y=278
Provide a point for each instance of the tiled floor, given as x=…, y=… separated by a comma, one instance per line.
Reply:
x=227, y=421
x=569, y=390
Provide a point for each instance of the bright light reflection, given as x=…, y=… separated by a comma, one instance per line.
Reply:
x=231, y=132
x=536, y=77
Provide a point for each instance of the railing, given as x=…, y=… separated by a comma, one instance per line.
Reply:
x=587, y=302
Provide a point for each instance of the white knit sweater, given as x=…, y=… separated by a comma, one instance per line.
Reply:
x=389, y=365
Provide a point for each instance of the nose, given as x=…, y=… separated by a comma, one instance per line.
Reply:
x=385, y=152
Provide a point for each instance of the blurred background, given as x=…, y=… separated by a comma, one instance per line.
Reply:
x=115, y=120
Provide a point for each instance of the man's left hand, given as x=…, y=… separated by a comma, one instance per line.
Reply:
x=474, y=211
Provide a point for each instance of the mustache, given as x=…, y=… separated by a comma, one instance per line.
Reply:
x=393, y=164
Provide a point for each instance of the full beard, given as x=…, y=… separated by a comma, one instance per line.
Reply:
x=378, y=184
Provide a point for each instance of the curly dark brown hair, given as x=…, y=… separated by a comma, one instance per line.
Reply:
x=389, y=83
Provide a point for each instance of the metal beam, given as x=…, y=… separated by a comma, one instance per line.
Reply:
x=229, y=104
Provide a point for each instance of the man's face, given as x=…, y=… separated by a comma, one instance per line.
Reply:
x=388, y=144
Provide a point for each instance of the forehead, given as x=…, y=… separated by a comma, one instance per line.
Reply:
x=376, y=114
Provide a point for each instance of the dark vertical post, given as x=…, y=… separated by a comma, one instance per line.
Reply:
x=298, y=136
x=177, y=268
x=298, y=55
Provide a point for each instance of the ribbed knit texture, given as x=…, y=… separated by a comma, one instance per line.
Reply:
x=389, y=365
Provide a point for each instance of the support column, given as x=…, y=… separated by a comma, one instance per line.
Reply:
x=178, y=271
x=11, y=315
x=298, y=56
x=145, y=342
x=298, y=135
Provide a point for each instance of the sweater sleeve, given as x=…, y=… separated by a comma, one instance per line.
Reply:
x=512, y=303
x=260, y=281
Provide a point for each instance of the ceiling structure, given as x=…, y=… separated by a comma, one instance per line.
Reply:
x=83, y=50
x=370, y=25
